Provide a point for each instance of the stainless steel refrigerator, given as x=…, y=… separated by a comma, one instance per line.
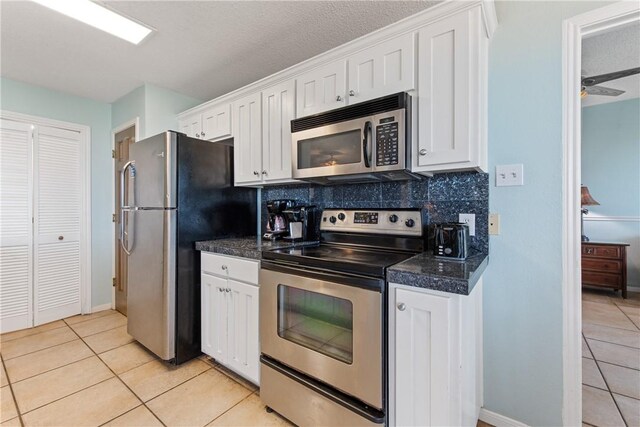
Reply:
x=176, y=190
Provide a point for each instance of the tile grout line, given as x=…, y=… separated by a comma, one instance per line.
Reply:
x=34, y=334
x=13, y=395
x=608, y=387
x=44, y=348
x=614, y=343
x=613, y=327
x=119, y=379
x=627, y=316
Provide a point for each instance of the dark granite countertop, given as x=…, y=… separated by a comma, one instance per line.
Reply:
x=426, y=271
x=245, y=247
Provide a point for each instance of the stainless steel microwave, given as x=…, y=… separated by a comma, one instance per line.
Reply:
x=369, y=141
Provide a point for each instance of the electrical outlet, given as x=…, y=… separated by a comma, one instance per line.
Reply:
x=494, y=223
x=470, y=220
x=507, y=175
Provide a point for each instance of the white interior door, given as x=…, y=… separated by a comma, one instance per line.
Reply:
x=16, y=261
x=57, y=225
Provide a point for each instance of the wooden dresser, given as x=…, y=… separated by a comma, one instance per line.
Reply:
x=605, y=265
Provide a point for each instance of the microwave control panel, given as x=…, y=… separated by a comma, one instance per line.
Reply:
x=387, y=142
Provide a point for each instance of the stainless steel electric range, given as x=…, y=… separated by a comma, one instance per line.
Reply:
x=323, y=322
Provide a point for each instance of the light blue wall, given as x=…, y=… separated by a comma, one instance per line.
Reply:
x=523, y=283
x=611, y=170
x=162, y=107
x=37, y=101
x=129, y=107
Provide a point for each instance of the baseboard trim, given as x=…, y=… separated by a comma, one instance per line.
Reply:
x=498, y=420
x=101, y=307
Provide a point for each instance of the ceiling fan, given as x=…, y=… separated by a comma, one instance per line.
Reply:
x=589, y=83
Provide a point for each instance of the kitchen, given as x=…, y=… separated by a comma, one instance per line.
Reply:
x=444, y=189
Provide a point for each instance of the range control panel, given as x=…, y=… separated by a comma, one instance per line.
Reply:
x=373, y=221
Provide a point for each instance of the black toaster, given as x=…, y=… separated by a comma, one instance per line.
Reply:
x=451, y=240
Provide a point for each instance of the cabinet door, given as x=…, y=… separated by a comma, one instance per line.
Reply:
x=16, y=263
x=444, y=92
x=243, y=354
x=278, y=109
x=57, y=226
x=383, y=69
x=247, y=139
x=422, y=356
x=321, y=89
x=216, y=122
x=213, y=304
x=191, y=126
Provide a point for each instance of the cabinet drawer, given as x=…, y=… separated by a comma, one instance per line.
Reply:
x=603, y=279
x=603, y=265
x=601, y=251
x=242, y=269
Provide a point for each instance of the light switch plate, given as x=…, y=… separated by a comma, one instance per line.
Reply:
x=470, y=220
x=507, y=175
x=494, y=223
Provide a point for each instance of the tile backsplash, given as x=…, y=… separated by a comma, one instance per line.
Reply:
x=442, y=197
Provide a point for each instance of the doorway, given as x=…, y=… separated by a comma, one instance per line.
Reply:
x=123, y=137
x=576, y=29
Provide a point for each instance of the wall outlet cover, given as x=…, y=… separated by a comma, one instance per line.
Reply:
x=508, y=175
x=494, y=223
x=470, y=220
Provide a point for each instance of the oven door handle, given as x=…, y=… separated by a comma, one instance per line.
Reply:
x=366, y=143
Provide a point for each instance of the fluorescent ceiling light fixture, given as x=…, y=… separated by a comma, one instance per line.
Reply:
x=99, y=17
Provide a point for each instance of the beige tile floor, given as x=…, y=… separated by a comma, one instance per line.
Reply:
x=610, y=358
x=87, y=371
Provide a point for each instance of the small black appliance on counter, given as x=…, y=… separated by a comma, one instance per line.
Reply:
x=451, y=240
x=303, y=223
x=277, y=225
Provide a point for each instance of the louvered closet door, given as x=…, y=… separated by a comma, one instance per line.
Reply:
x=57, y=212
x=15, y=226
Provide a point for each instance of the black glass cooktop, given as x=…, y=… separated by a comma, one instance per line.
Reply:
x=349, y=259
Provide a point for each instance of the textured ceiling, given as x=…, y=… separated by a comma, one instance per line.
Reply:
x=201, y=48
x=613, y=51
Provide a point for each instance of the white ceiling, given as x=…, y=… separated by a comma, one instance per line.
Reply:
x=201, y=48
x=613, y=51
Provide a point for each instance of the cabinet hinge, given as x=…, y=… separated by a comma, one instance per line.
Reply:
x=113, y=281
x=113, y=217
x=113, y=154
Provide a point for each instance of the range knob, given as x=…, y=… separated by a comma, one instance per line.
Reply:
x=393, y=218
x=409, y=223
x=341, y=216
x=332, y=219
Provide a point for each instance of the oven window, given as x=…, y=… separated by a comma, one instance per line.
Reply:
x=330, y=150
x=317, y=321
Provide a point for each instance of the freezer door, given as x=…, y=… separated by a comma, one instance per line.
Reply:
x=153, y=179
x=151, y=297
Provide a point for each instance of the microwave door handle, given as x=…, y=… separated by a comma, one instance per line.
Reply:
x=366, y=143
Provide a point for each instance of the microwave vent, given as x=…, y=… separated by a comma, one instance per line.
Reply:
x=363, y=109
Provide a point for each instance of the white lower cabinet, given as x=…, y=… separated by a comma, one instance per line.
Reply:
x=229, y=315
x=435, y=357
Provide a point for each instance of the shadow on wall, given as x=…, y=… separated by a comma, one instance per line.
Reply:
x=442, y=197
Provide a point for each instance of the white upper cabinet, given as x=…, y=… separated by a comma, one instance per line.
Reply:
x=383, y=69
x=211, y=123
x=278, y=109
x=452, y=94
x=247, y=134
x=321, y=89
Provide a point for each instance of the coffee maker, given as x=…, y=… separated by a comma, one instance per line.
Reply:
x=277, y=226
x=303, y=223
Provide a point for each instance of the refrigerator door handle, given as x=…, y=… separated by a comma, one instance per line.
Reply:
x=123, y=209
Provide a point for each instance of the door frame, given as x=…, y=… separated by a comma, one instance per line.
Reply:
x=85, y=191
x=135, y=123
x=573, y=31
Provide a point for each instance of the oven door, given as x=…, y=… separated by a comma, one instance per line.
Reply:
x=323, y=326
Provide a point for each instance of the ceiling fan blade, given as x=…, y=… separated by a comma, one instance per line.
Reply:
x=601, y=90
x=594, y=80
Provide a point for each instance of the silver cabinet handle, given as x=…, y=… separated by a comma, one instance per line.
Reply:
x=256, y=173
x=227, y=290
x=402, y=306
x=264, y=172
x=423, y=152
x=224, y=267
x=220, y=290
x=60, y=237
x=197, y=135
x=352, y=92
x=202, y=134
x=338, y=98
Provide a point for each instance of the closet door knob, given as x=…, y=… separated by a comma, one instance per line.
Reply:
x=423, y=152
x=402, y=306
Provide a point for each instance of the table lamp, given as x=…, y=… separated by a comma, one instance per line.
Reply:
x=585, y=200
